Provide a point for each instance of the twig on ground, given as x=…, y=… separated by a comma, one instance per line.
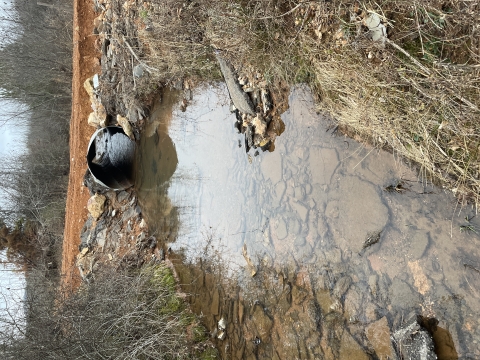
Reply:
x=145, y=66
x=285, y=14
x=415, y=61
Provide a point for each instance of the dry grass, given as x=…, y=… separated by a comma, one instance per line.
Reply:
x=417, y=94
x=410, y=95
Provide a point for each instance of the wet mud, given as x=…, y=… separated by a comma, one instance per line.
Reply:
x=346, y=242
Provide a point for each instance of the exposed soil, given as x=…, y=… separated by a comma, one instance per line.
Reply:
x=85, y=64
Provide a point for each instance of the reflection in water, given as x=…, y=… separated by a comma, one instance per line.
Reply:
x=156, y=163
x=307, y=213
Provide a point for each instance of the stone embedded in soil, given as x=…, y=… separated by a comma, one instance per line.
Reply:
x=101, y=237
x=88, y=86
x=378, y=333
x=93, y=120
x=259, y=124
x=96, y=205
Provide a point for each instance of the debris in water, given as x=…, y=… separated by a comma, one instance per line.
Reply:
x=372, y=239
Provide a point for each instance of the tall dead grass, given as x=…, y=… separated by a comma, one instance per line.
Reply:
x=411, y=95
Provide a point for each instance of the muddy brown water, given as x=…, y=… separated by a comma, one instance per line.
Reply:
x=299, y=217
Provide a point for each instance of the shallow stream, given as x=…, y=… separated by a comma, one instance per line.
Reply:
x=345, y=241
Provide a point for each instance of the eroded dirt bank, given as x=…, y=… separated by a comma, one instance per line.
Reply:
x=85, y=64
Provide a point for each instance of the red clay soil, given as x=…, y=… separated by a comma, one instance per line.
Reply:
x=85, y=64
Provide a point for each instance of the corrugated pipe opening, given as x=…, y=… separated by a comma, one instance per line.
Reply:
x=110, y=158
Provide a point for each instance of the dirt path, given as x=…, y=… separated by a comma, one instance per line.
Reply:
x=85, y=64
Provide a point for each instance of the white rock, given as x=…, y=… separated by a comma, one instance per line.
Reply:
x=222, y=324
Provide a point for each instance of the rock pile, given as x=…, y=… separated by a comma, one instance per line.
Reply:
x=257, y=117
x=114, y=232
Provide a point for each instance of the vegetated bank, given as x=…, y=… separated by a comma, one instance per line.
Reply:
x=399, y=75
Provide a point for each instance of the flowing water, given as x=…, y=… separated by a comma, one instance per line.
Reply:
x=345, y=242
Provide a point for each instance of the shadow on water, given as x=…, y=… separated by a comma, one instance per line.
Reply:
x=346, y=243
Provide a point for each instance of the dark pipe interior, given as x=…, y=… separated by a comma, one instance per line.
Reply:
x=120, y=174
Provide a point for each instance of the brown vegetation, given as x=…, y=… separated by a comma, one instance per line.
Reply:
x=122, y=315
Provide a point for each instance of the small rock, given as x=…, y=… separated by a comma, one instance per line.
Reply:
x=122, y=196
x=99, y=111
x=95, y=81
x=128, y=214
x=259, y=124
x=267, y=104
x=93, y=120
x=222, y=323
x=101, y=238
x=378, y=333
x=96, y=205
x=132, y=115
x=372, y=21
x=88, y=86
x=240, y=99
x=138, y=71
x=125, y=124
